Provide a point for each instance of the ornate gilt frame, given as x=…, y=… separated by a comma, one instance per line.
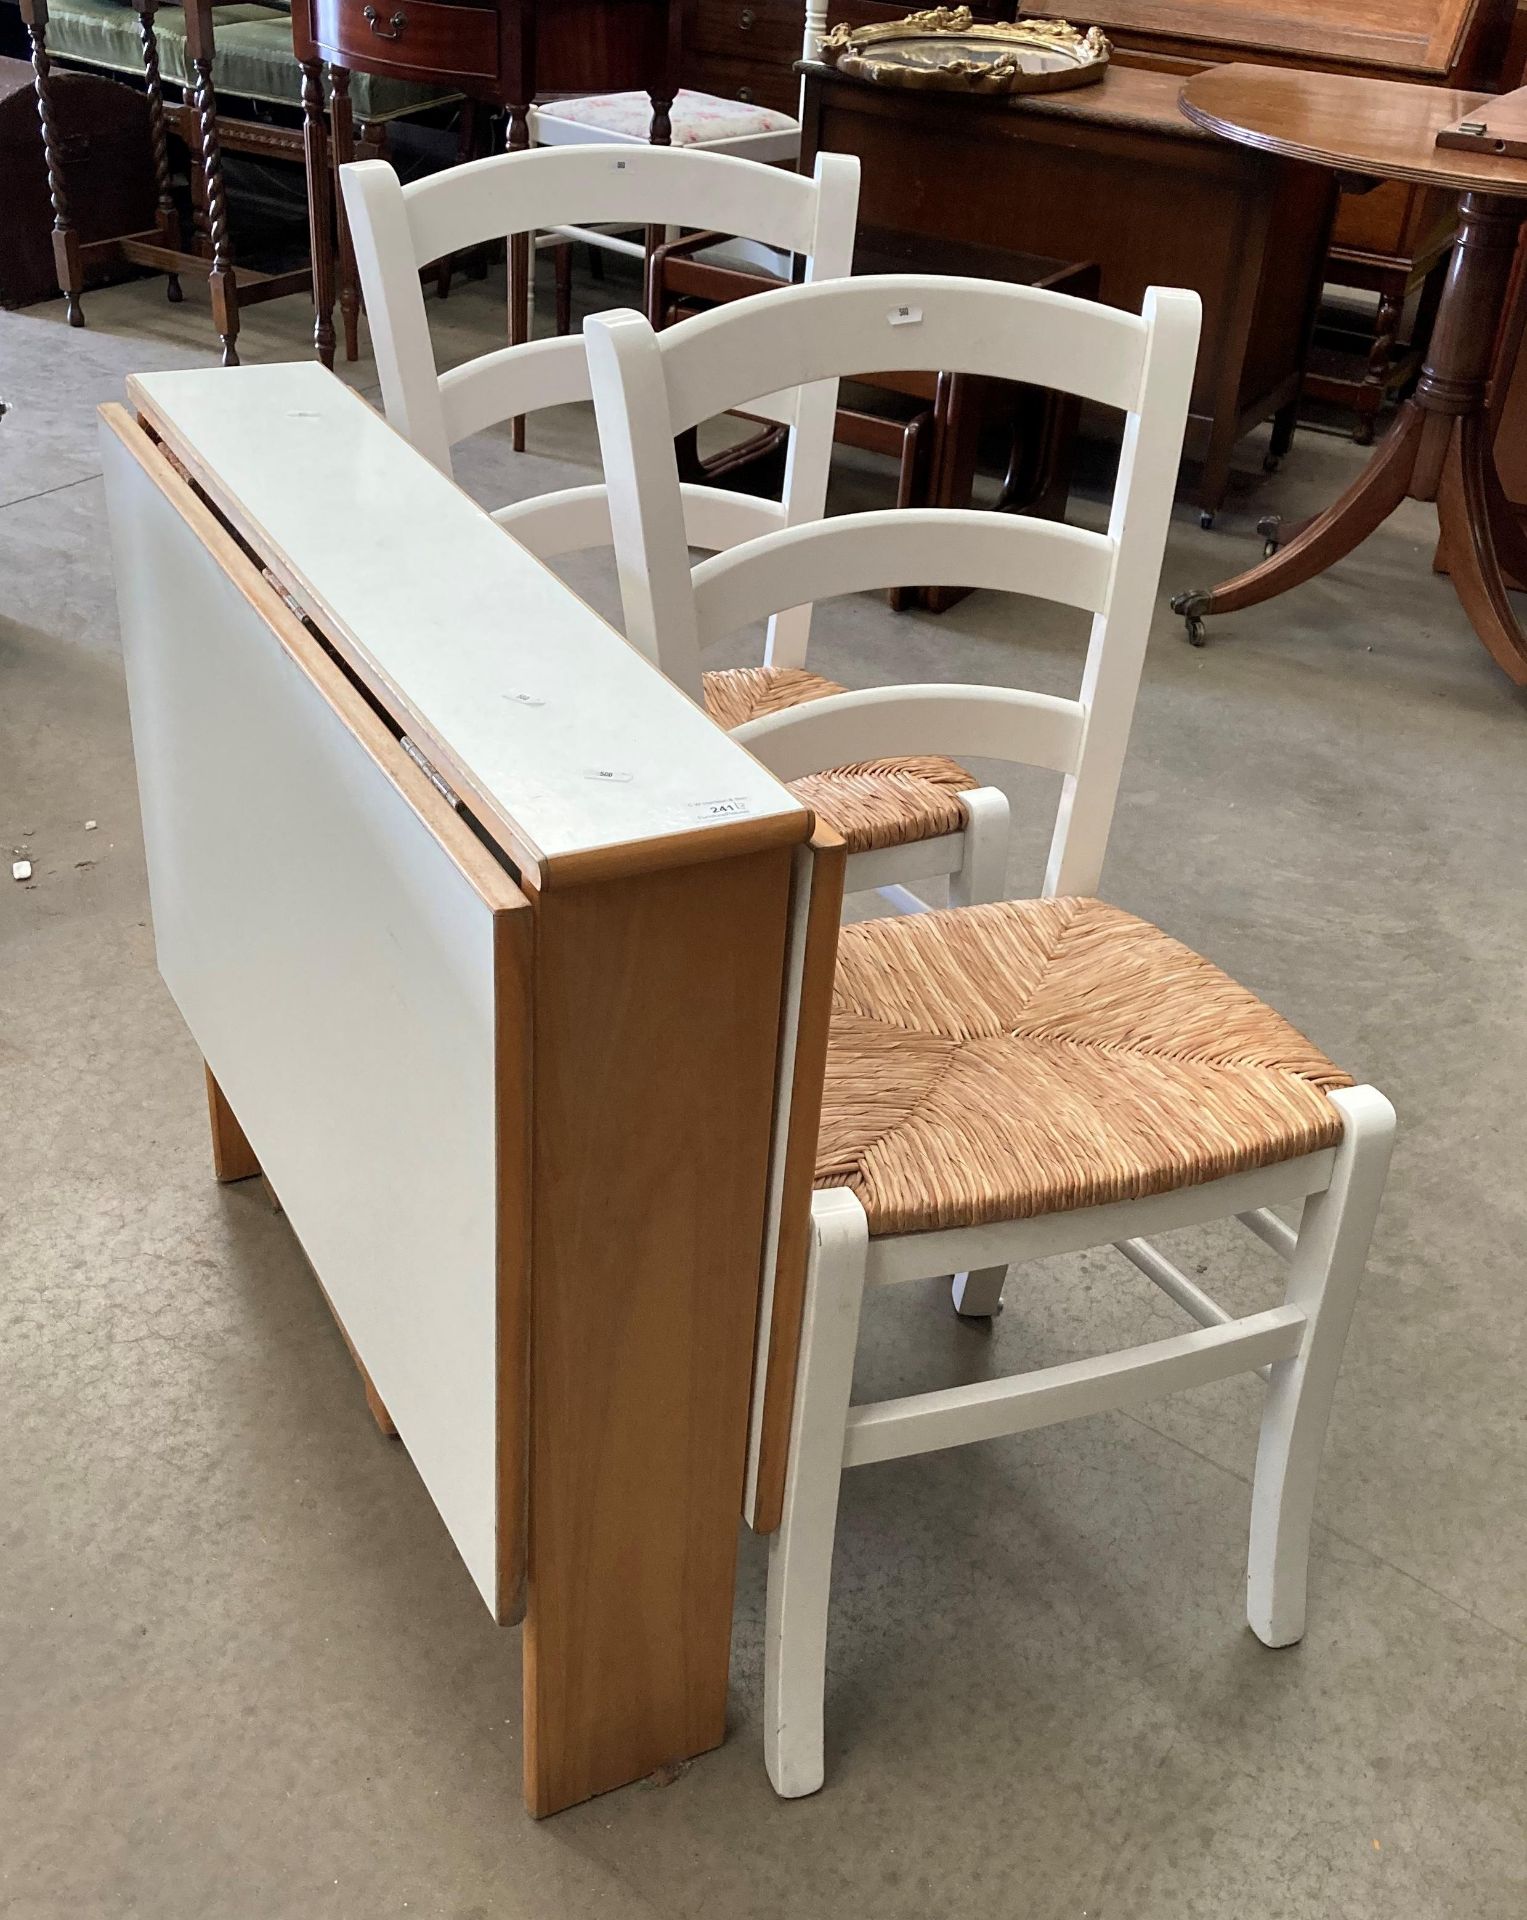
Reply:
x=858, y=51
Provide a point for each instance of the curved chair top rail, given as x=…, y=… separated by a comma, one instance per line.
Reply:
x=510, y=193
x=884, y=323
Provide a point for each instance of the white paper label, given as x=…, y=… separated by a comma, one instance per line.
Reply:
x=905, y=317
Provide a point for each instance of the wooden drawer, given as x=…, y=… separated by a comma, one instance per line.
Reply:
x=763, y=83
x=769, y=30
x=418, y=39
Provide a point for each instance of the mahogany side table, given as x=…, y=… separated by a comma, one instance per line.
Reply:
x=1439, y=447
x=502, y=53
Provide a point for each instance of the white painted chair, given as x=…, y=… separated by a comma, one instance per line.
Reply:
x=397, y=229
x=808, y=730
x=1012, y=1081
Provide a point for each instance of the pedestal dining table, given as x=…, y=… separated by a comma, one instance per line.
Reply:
x=1439, y=447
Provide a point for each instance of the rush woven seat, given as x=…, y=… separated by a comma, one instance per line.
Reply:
x=875, y=804
x=1035, y=1056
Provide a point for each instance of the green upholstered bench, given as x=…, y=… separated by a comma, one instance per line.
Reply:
x=254, y=58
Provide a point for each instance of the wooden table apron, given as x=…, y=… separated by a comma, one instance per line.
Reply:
x=1439, y=447
x=502, y=53
x=1105, y=173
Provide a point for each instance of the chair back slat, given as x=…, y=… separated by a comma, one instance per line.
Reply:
x=931, y=546
x=844, y=729
x=512, y=380
x=886, y=323
x=577, y=518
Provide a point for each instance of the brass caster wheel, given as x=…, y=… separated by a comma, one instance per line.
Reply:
x=1193, y=605
x=1271, y=530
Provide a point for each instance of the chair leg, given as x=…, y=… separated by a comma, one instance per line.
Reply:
x=800, y=1553
x=977, y=1295
x=788, y=637
x=983, y=877
x=1326, y=1267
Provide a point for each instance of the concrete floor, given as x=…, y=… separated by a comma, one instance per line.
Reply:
x=242, y=1672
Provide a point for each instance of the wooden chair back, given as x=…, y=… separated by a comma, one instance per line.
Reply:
x=648, y=387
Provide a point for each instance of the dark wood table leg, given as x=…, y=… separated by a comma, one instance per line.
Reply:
x=66, y=240
x=521, y=261
x=958, y=406
x=1437, y=449
x=222, y=281
x=166, y=218
x=201, y=238
x=659, y=134
x=342, y=129
x=320, y=184
x=1321, y=542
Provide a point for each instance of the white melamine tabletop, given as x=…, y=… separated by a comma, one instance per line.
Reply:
x=566, y=742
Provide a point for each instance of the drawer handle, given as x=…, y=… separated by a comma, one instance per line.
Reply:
x=396, y=24
x=746, y=18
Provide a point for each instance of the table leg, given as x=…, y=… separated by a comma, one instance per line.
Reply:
x=521, y=259
x=66, y=240
x=1477, y=554
x=232, y=1156
x=222, y=282
x=958, y=406
x=1321, y=542
x=342, y=137
x=320, y=182
x=1437, y=449
x=166, y=218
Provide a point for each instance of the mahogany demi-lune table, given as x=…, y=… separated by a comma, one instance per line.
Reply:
x=1439, y=447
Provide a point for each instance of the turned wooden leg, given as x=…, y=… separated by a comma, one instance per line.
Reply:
x=232, y=1156
x=315, y=153
x=1470, y=533
x=1375, y=382
x=66, y=240
x=166, y=217
x=222, y=283
x=201, y=238
x=342, y=128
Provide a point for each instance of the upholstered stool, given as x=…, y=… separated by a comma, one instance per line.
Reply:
x=696, y=120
